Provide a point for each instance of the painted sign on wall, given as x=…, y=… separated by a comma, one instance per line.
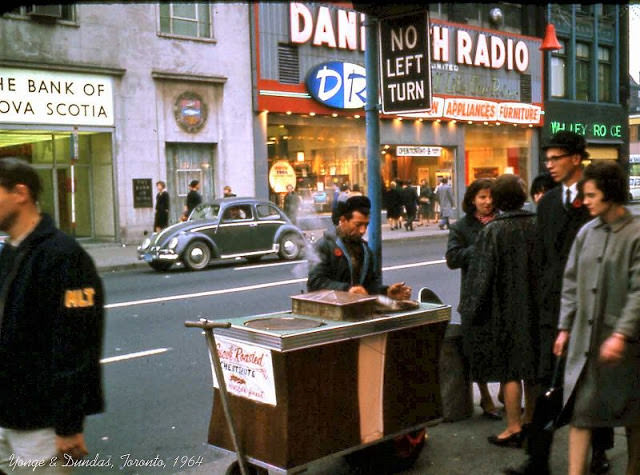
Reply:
x=338, y=84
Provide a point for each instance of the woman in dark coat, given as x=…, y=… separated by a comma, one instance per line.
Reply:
x=394, y=205
x=501, y=304
x=161, y=219
x=600, y=319
x=478, y=207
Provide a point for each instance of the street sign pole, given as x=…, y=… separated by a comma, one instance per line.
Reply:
x=374, y=182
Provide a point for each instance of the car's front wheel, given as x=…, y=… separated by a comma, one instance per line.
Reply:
x=291, y=246
x=196, y=256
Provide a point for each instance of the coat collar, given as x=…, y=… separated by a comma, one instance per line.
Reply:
x=516, y=213
x=618, y=224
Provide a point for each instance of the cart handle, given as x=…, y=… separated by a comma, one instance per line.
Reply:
x=207, y=324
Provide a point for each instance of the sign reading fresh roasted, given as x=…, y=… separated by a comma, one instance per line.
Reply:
x=405, y=71
x=51, y=97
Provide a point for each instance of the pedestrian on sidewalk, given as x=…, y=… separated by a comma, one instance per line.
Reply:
x=445, y=199
x=394, y=205
x=479, y=211
x=161, y=219
x=560, y=214
x=501, y=302
x=291, y=204
x=425, y=201
x=227, y=193
x=194, y=198
x=410, y=202
x=52, y=328
x=600, y=330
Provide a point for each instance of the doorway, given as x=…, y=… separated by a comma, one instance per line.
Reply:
x=187, y=162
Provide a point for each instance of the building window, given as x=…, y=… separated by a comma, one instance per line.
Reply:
x=559, y=72
x=186, y=19
x=582, y=71
x=604, y=74
x=46, y=13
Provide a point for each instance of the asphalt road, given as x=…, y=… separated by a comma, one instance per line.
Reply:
x=156, y=372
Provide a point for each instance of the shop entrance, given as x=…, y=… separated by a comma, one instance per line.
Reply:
x=50, y=154
x=187, y=162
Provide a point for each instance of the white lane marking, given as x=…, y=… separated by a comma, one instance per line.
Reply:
x=247, y=287
x=274, y=264
x=129, y=356
x=205, y=294
x=415, y=264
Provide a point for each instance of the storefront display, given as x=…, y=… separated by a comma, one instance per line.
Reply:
x=485, y=120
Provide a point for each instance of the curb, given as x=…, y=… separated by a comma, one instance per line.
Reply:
x=402, y=236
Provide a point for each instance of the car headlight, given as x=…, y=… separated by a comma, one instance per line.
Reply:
x=145, y=243
x=173, y=243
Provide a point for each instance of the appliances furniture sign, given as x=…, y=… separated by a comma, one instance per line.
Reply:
x=52, y=97
x=247, y=369
x=405, y=71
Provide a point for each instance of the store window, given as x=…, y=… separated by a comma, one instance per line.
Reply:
x=50, y=154
x=322, y=153
x=559, y=71
x=604, y=74
x=493, y=151
x=191, y=20
x=64, y=12
x=583, y=58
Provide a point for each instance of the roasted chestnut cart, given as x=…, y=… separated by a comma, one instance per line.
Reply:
x=302, y=388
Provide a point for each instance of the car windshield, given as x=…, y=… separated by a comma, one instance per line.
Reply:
x=205, y=211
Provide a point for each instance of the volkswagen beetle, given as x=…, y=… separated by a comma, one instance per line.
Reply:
x=224, y=228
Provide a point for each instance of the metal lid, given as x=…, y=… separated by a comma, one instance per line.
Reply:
x=283, y=323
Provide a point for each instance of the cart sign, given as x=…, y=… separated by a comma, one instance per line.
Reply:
x=405, y=65
x=248, y=370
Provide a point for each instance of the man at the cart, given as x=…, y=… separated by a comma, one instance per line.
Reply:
x=345, y=261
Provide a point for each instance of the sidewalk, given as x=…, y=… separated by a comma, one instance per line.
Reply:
x=114, y=257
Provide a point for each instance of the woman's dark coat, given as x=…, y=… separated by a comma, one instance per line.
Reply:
x=460, y=248
x=501, y=298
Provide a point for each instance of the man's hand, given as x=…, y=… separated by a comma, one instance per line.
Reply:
x=399, y=291
x=358, y=289
x=72, y=445
x=560, y=345
x=612, y=349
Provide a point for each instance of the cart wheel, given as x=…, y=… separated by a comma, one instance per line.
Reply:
x=234, y=469
x=406, y=449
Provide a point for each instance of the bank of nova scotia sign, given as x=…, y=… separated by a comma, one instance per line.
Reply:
x=338, y=84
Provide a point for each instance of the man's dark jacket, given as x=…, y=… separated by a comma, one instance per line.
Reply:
x=556, y=228
x=51, y=327
x=334, y=271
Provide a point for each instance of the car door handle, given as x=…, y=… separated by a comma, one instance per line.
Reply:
x=253, y=225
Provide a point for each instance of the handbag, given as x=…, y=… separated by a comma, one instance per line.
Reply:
x=549, y=404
